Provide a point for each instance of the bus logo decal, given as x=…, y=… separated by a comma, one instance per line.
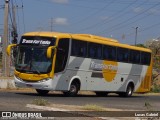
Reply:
x=98, y=66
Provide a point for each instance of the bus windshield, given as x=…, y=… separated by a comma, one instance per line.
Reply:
x=32, y=59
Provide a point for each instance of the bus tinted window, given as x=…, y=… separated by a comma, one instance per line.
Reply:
x=95, y=51
x=109, y=53
x=134, y=57
x=62, y=54
x=145, y=58
x=79, y=48
x=122, y=54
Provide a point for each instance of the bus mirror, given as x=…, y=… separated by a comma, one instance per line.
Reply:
x=9, y=48
x=49, y=51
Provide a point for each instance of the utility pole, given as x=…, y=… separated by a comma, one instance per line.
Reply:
x=51, y=24
x=136, y=35
x=14, y=26
x=5, y=57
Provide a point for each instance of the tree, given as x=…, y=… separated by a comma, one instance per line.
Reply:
x=141, y=45
x=154, y=45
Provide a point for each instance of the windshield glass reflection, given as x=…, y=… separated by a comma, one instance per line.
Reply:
x=32, y=60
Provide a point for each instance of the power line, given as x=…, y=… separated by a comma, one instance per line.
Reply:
x=121, y=15
x=68, y=4
x=149, y=27
x=135, y=21
x=111, y=20
x=24, y=26
x=91, y=15
x=125, y=21
x=145, y=29
x=10, y=16
x=1, y=6
x=100, y=1
x=18, y=21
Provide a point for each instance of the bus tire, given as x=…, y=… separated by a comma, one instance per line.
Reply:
x=101, y=94
x=42, y=92
x=129, y=91
x=74, y=88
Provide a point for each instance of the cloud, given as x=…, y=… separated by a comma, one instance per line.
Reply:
x=138, y=10
x=60, y=21
x=60, y=1
x=154, y=11
x=104, y=17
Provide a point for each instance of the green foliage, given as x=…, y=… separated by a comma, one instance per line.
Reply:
x=93, y=107
x=141, y=45
x=40, y=102
x=0, y=60
x=156, y=62
x=156, y=88
x=148, y=105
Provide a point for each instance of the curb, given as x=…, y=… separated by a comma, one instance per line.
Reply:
x=75, y=113
x=45, y=108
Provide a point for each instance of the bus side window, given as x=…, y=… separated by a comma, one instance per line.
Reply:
x=134, y=57
x=95, y=51
x=79, y=48
x=109, y=53
x=122, y=54
x=62, y=55
x=145, y=58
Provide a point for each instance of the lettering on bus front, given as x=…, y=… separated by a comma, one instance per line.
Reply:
x=37, y=41
x=41, y=42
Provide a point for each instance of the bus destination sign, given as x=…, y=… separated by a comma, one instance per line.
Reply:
x=37, y=41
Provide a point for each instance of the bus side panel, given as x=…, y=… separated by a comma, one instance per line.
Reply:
x=145, y=85
x=135, y=75
x=70, y=73
x=112, y=79
x=94, y=76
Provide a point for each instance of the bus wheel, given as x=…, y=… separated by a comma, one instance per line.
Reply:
x=42, y=92
x=101, y=94
x=128, y=92
x=74, y=88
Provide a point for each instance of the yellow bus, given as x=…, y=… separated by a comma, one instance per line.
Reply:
x=52, y=61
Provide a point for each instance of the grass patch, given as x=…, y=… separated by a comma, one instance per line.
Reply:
x=40, y=102
x=156, y=89
x=148, y=106
x=93, y=107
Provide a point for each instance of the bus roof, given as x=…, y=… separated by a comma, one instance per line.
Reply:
x=47, y=34
x=106, y=41
x=87, y=37
x=97, y=37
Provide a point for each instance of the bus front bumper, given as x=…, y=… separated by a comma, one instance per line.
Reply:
x=45, y=84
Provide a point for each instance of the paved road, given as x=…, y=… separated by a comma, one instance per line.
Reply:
x=18, y=100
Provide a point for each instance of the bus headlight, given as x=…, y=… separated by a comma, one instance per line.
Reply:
x=44, y=80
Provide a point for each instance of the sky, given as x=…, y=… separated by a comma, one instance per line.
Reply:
x=116, y=19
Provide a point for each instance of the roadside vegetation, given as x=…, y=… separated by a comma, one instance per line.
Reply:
x=0, y=60
x=148, y=106
x=40, y=102
x=93, y=107
x=154, y=45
